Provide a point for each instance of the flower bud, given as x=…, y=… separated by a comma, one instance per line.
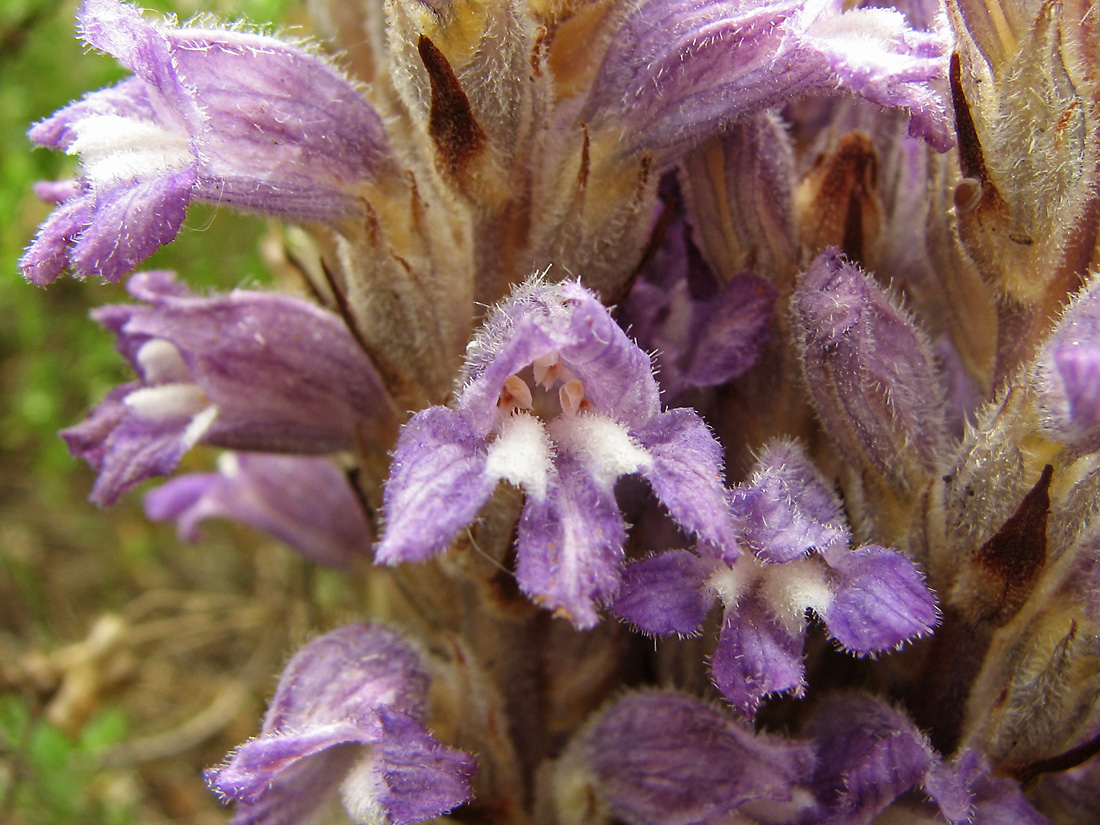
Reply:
x=870, y=371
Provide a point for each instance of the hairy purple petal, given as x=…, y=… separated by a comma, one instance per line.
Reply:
x=880, y=600
x=786, y=509
x=48, y=254
x=420, y=778
x=666, y=759
x=686, y=475
x=438, y=461
x=285, y=374
x=570, y=545
x=131, y=222
x=301, y=500
x=871, y=372
x=756, y=655
x=566, y=318
x=665, y=593
x=868, y=754
x=224, y=116
x=679, y=70
x=123, y=448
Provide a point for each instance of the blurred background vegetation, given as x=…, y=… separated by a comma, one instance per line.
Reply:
x=128, y=661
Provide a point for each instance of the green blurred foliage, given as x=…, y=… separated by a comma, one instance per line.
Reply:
x=51, y=778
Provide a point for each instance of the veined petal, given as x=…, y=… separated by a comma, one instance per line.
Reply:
x=662, y=758
x=880, y=600
x=127, y=99
x=123, y=448
x=438, y=482
x=678, y=71
x=666, y=593
x=48, y=254
x=283, y=131
x=408, y=776
x=255, y=766
x=756, y=655
x=302, y=500
x=119, y=30
x=686, y=475
x=540, y=319
x=786, y=510
x=131, y=222
x=344, y=673
x=570, y=545
x=868, y=755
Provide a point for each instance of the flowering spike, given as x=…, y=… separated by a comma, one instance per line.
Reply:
x=216, y=115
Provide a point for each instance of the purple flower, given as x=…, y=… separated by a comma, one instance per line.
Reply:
x=701, y=340
x=303, y=500
x=870, y=599
x=662, y=758
x=360, y=686
x=223, y=116
x=559, y=402
x=246, y=371
x=870, y=370
x=677, y=71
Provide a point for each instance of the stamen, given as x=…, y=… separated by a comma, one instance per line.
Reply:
x=167, y=402
x=161, y=363
x=545, y=369
x=515, y=393
x=571, y=396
